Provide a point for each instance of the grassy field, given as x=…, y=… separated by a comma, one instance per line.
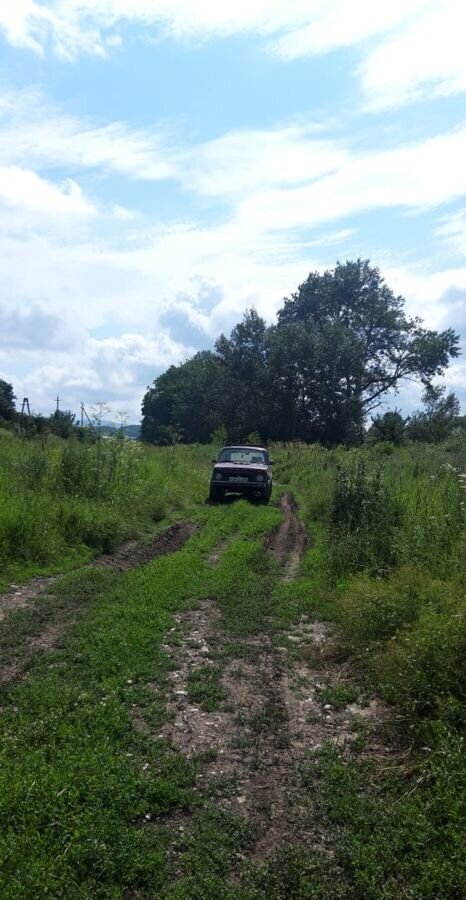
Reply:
x=99, y=794
x=63, y=502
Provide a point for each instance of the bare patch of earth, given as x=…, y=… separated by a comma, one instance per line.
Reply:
x=19, y=596
x=46, y=640
x=272, y=721
x=290, y=541
x=134, y=553
x=128, y=556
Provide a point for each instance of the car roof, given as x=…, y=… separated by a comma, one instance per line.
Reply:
x=242, y=447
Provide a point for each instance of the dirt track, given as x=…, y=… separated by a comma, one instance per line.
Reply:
x=131, y=554
x=24, y=596
x=289, y=543
x=273, y=719
x=259, y=742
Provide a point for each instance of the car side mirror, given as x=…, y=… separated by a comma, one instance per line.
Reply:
x=271, y=462
x=214, y=460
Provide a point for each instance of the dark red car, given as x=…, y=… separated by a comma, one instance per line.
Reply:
x=242, y=470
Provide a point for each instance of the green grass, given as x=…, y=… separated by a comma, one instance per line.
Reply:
x=205, y=687
x=78, y=780
x=390, y=573
x=338, y=695
x=90, y=804
x=61, y=503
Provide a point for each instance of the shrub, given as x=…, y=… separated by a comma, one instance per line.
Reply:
x=363, y=518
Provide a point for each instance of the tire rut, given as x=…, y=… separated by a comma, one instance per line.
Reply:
x=129, y=555
x=271, y=724
x=289, y=543
x=126, y=557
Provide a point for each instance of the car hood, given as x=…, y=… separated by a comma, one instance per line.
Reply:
x=241, y=467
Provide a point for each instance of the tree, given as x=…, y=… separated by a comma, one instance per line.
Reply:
x=341, y=342
x=389, y=427
x=438, y=418
x=363, y=346
x=62, y=423
x=7, y=401
x=191, y=397
x=243, y=357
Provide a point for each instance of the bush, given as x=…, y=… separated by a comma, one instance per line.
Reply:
x=364, y=515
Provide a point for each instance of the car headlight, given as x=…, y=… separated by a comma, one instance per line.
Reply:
x=218, y=476
x=260, y=477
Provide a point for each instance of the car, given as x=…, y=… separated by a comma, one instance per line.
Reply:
x=241, y=469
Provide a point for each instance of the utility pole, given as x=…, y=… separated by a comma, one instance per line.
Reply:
x=84, y=413
x=25, y=406
x=58, y=402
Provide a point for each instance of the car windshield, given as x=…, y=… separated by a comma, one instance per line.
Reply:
x=244, y=455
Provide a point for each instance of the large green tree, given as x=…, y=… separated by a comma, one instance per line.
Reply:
x=342, y=341
x=363, y=345
x=388, y=427
x=243, y=357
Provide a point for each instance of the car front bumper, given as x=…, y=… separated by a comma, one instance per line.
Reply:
x=242, y=487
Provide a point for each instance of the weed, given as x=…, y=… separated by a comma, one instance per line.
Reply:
x=205, y=687
x=338, y=695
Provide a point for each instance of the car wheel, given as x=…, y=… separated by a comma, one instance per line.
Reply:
x=216, y=493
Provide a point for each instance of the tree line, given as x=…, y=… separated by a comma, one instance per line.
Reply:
x=342, y=341
x=61, y=423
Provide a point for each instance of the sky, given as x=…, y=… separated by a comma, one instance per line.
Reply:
x=167, y=164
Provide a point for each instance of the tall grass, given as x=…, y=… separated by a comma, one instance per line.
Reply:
x=63, y=502
x=394, y=561
x=390, y=571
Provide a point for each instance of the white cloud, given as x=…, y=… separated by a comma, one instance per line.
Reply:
x=24, y=24
x=26, y=200
x=35, y=134
x=29, y=327
x=427, y=57
x=112, y=369
x=452, y=232
x=242, y=162
x=77, y=26
x=341, y=23
x=437, y=296
x=420, y=42
x=416, y=176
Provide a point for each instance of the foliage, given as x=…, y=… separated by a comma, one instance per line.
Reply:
x=388, y=428
x=7, y=401
x=62, y=423
x=342, y=341
x=189, y=398
x=364, y=514
x=438, y=418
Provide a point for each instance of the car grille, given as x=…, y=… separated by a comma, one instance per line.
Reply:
x=234, y=473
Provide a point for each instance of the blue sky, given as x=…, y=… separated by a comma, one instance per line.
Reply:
x=166, y=164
